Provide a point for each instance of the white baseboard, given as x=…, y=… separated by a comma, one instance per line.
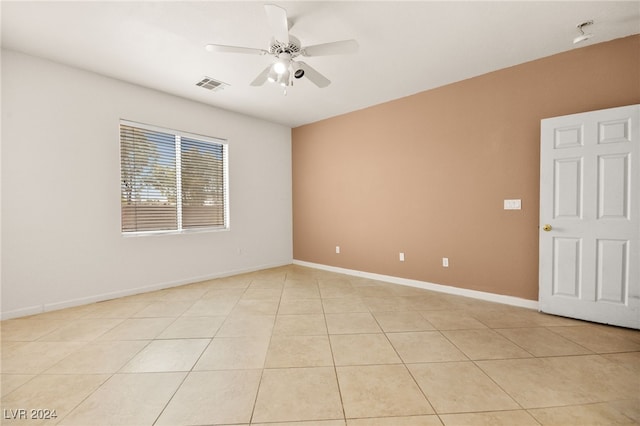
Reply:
x=491, y=297
x=481, y=295
x=48, y=307
x=22, y=312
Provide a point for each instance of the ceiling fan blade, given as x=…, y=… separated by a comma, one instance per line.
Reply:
x=334, y=48
x=234, y=49
x=262, y=77
x=277, y=18
x=314, y=76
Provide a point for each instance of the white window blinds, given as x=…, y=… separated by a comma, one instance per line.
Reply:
x=171, y=181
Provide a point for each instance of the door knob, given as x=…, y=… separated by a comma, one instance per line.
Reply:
x=547, y=227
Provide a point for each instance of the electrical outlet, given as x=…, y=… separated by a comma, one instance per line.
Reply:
x=445, y=262
x=338, y=249
x=401, y=257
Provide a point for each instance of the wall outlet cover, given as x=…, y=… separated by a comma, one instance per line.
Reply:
x=513, y=204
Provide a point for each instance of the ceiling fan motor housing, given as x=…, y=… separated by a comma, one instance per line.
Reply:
x=292, y=48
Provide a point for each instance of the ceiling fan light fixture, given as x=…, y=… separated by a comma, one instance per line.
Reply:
x=283, y=63
x=280, y=67
x=273, y=76
x=298, y=72
x=284, y=78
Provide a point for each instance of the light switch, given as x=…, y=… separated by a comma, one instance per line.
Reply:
x=512, y=204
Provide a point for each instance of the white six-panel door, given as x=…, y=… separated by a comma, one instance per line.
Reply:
x=589, y=216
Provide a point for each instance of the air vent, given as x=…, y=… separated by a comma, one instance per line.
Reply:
x=211, y=84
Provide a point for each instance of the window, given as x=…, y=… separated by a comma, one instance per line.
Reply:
x=171, y=181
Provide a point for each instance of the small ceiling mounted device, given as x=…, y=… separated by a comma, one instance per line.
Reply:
x=583, y=36
x=285, y=48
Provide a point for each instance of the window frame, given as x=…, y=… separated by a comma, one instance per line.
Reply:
x=178, y=135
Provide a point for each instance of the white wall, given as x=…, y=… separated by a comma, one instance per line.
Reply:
x=61, y=239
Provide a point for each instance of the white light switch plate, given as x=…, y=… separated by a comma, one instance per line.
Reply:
x=512, y=204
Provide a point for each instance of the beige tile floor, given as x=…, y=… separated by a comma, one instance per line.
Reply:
x=298, y=346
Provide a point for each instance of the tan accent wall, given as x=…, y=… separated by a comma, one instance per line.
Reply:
x=427, y=174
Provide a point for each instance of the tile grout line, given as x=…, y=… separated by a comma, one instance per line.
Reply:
x=191, y=370
x=264, y=363
x=404, y=364
x=333, y=359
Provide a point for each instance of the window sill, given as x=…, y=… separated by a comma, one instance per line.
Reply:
x=182, y=232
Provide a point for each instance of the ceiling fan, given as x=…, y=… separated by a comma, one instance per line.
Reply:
x=285, y=48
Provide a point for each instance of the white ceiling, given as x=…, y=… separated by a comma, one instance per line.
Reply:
x=405, y=47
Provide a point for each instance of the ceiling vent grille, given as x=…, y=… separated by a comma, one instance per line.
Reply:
x=211, y=84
